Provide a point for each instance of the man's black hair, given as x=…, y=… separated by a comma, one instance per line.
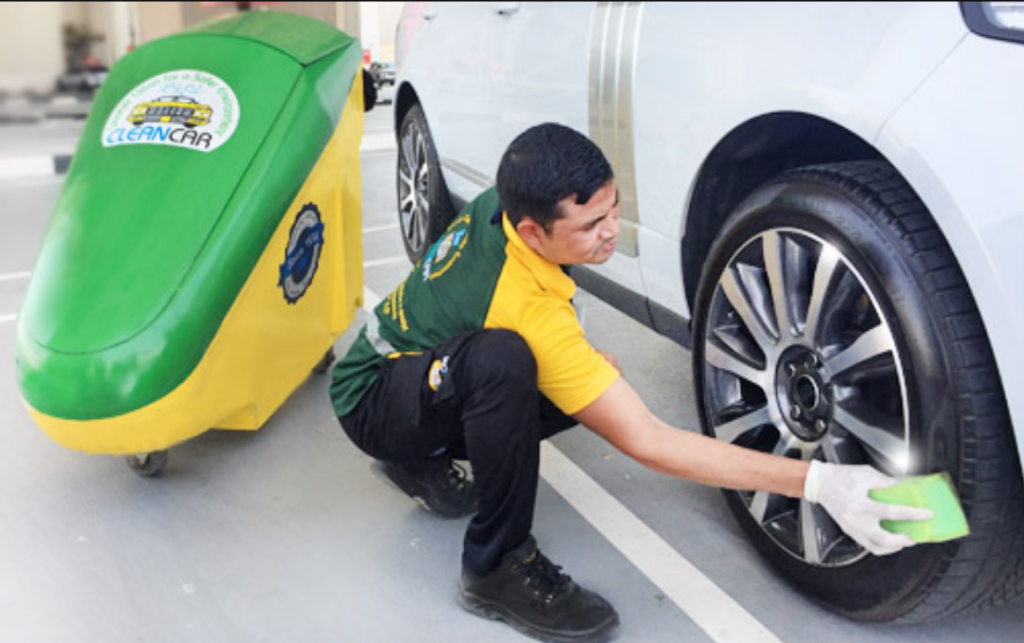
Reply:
x=544, y=165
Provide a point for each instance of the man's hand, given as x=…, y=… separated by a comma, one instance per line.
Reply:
x=843, y=491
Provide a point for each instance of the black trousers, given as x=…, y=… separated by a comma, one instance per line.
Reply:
x=473, y=397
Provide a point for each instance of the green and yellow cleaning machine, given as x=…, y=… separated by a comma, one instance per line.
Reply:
x=205, y=251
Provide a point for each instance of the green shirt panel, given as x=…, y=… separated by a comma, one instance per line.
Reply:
x=448, y=292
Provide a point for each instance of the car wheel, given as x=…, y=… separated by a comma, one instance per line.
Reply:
x=833, y=322
x=424, y=207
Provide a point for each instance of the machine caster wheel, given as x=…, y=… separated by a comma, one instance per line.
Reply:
x=148, y=465
x=325, y=363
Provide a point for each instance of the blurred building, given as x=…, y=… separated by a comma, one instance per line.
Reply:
x=42, y=41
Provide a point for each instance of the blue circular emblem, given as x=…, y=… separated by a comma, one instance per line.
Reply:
x=302, y=256
x=447, y=249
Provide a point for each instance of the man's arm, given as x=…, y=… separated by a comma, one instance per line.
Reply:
x=622, y=418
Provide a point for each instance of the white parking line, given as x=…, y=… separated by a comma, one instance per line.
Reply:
x=26, y=167
x=380, y=228
x=714, y=611
x=385, y=261
x=15, y=275
x=377, y=141
x=370, y=299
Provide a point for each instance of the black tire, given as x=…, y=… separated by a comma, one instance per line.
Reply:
x=148, y=465
x=424, y=206
x=369, y=91
x=894, y=284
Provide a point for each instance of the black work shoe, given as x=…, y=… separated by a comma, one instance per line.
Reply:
x=530, y=593
x=438, y=484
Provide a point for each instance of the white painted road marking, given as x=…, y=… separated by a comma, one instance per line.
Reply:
x=370, y=299
x=714, y=611
x=380, y=228
x=5, y=319
x=26, y=167
x=377, y=141
x=385, y=261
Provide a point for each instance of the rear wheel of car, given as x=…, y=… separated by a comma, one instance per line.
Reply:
x=833, y=323
x=424, y=206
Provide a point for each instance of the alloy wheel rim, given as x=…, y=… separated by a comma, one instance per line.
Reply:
x=801, y=362
x=413, y=175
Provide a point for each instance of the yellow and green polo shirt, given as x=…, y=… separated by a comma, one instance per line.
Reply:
x=480, y=275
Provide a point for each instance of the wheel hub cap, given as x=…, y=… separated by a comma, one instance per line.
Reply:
x=804, y=395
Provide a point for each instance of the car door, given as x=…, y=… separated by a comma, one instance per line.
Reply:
x=570, y=63
x=446, y=70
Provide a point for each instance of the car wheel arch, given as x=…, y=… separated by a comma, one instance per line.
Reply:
x=748, y=156
x=405, y=98
x=760, y=149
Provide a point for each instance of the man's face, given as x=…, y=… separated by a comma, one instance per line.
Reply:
x=585, y=233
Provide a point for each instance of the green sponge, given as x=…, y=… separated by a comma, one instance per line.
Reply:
x=936, y=492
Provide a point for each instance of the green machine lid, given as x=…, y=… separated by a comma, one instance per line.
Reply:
x=193, y=150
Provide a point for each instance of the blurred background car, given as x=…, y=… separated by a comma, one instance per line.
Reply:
x=383, y=73
x=85, y=77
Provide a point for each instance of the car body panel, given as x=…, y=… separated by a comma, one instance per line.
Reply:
x=851, y=86
x=964, y=163
x=900, y=77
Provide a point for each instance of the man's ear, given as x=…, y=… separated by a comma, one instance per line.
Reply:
x=531, y=233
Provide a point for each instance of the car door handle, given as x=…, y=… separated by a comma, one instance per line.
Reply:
x=506, y=8
x=429, y=14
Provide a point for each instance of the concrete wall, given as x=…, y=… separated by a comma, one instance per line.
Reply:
x=387, y=23
x=378, y=22
x=33, y=38
x=158, y=19
x=325, y=11
x=31, y=46
x=32, y=34
x=347, y=18
x=112, y=27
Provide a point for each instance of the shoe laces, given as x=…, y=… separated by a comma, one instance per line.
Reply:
x=458, y=477
x=545, y=578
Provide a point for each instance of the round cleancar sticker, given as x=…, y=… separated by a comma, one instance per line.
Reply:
x=302, y=255
x=182, y=108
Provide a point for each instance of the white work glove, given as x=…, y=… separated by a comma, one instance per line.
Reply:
x=842, y=490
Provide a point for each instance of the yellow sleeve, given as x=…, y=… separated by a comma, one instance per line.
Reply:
x=570, y=372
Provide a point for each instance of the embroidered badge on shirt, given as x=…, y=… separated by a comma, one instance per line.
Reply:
x=438, y=370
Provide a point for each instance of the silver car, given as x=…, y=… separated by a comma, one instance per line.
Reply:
x=821, y=200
